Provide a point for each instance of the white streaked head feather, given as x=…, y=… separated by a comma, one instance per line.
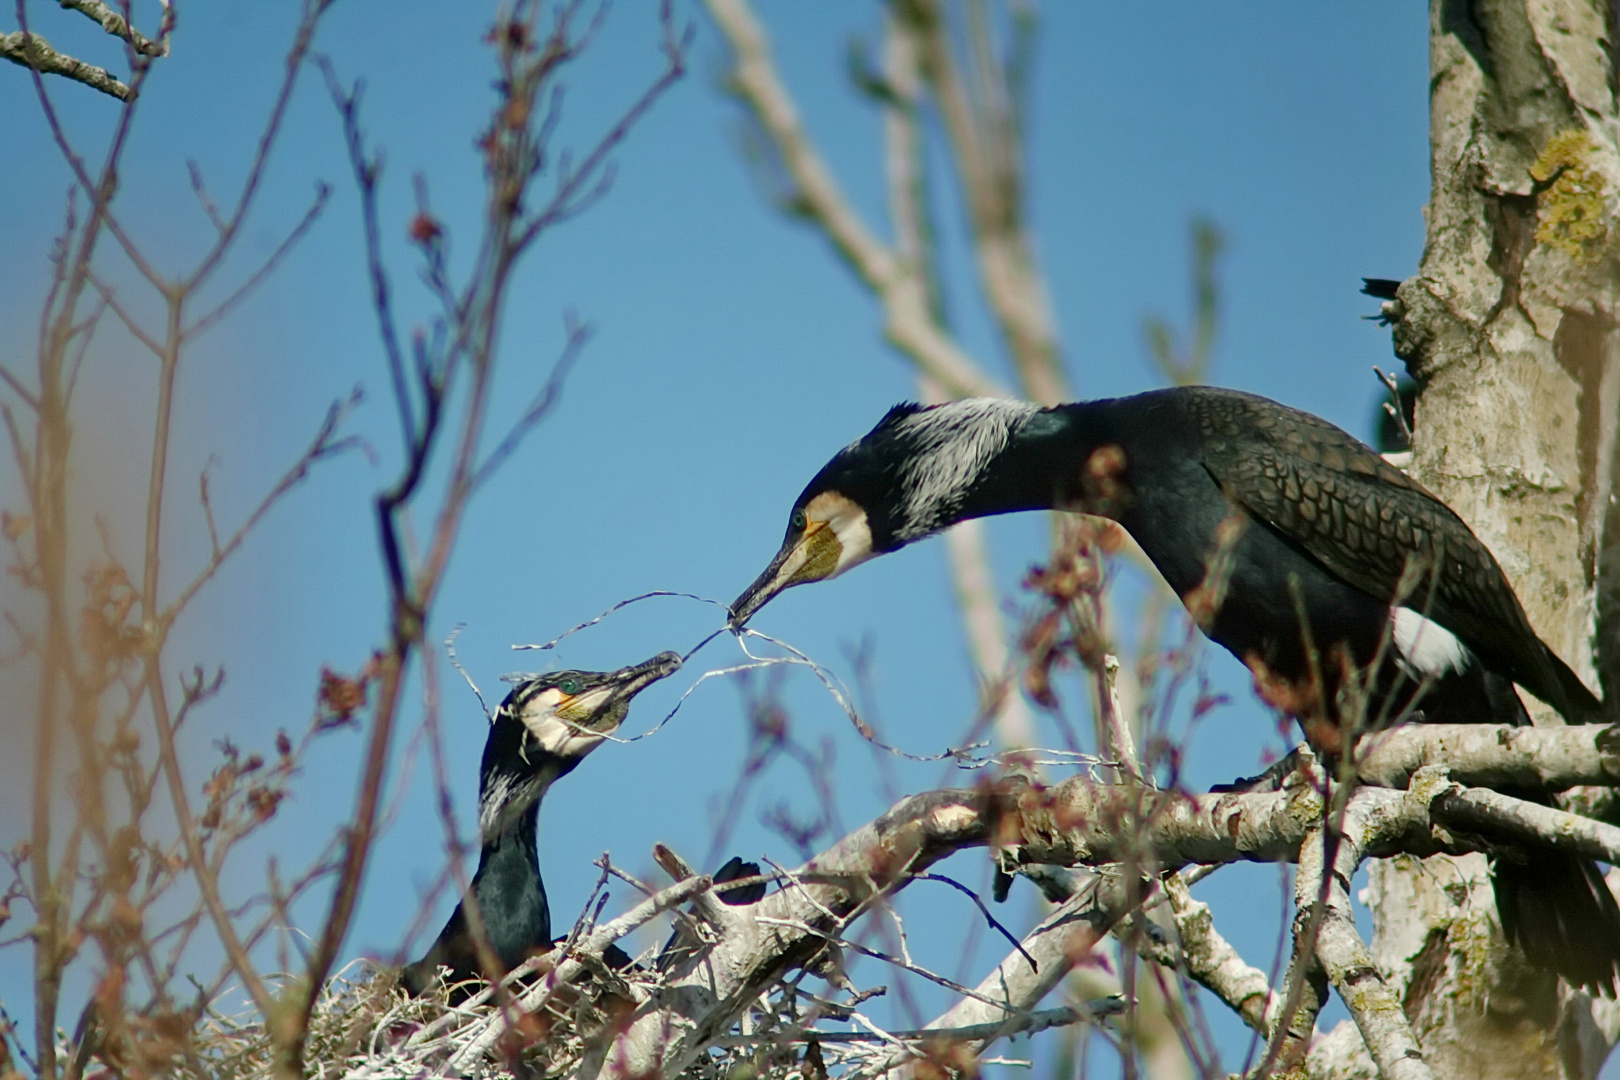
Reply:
x=1425, y=647
x=495, y=797
x=950, y=446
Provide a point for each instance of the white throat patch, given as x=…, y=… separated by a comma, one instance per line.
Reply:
x=848, y=523
x=1425, y=647
x=950, y=446
x=556, y=735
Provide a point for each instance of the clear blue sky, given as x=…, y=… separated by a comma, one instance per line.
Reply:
x=732, y=355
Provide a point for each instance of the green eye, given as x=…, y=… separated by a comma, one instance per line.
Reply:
x=569, y=687
x=798, y=520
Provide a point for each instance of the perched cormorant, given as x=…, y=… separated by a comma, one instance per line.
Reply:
x=542, y=730
x=1310, y=519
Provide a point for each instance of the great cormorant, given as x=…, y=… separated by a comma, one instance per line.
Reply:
x=542, y=730
x=1314, y=521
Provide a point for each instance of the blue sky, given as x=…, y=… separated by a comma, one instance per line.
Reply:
x=732, y=355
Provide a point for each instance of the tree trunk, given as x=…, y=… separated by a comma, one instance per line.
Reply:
x=1509, y=329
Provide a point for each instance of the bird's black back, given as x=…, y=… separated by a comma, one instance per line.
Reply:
x=1368, y=523
x=1326, y=498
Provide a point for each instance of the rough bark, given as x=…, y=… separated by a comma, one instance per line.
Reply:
x=1508, y=327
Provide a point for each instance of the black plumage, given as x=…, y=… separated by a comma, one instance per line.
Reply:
x=1394, y=585
x=544, y=728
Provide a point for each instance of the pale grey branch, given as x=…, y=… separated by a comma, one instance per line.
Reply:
x=116, y=25
x=1494, y=755
x=32, y=51
x=909, y=323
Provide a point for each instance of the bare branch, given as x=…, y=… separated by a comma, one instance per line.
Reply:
x=323, y=446
x=267, y=268
x=1063, y=938
x=18, y=388
x=1209, y=959
x=32, y=51
x=116, y=25
x=1494, y=755
x=989, y=159
x=1479, y=810
x=910, y=322
x=1344, y=956
x=367, y=171
x=578, y=334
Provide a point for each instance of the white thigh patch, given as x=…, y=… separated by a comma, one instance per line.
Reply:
x=1425, y=647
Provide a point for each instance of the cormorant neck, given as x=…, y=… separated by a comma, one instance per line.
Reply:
x=511, y=897
x=508, y=793
x=1046, y=463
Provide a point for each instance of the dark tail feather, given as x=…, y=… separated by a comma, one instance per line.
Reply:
x=1576, y=703
x=734, y=870
x=1559, y=911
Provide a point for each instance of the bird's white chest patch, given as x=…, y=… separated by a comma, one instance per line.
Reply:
x=1425, y=647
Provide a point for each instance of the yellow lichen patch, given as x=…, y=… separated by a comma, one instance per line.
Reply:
x=1570, y=210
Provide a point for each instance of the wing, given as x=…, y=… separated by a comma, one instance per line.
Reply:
x=1368, y=523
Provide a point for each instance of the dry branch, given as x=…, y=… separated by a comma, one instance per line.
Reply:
x=1210, y=960
x=1496, y=756
x=1077, y=821
x=32, y=51
x=116, y=25
x=1064, y=938
x=902, y=288
x=1321, y=893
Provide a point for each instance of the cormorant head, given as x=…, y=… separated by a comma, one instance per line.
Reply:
x=547, y=725
x=905, y=479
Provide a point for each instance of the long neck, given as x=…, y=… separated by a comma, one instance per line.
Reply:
x=1044, y=465
x=511, y=897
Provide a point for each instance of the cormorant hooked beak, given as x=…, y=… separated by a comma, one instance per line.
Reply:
x=808, y=554
x=627, y=682
x=827, y=534
x=569, y=713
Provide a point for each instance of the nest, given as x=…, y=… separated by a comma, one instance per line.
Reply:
x=366, y=1026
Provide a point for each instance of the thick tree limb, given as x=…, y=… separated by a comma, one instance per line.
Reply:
x=1345, y=958
x=1476, y=809
x=1492, y=755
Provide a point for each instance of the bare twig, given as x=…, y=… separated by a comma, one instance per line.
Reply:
x=326, y=444
x=268, y=267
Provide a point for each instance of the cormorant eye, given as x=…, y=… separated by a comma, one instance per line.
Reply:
x=798, y=521
x=569, y=687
